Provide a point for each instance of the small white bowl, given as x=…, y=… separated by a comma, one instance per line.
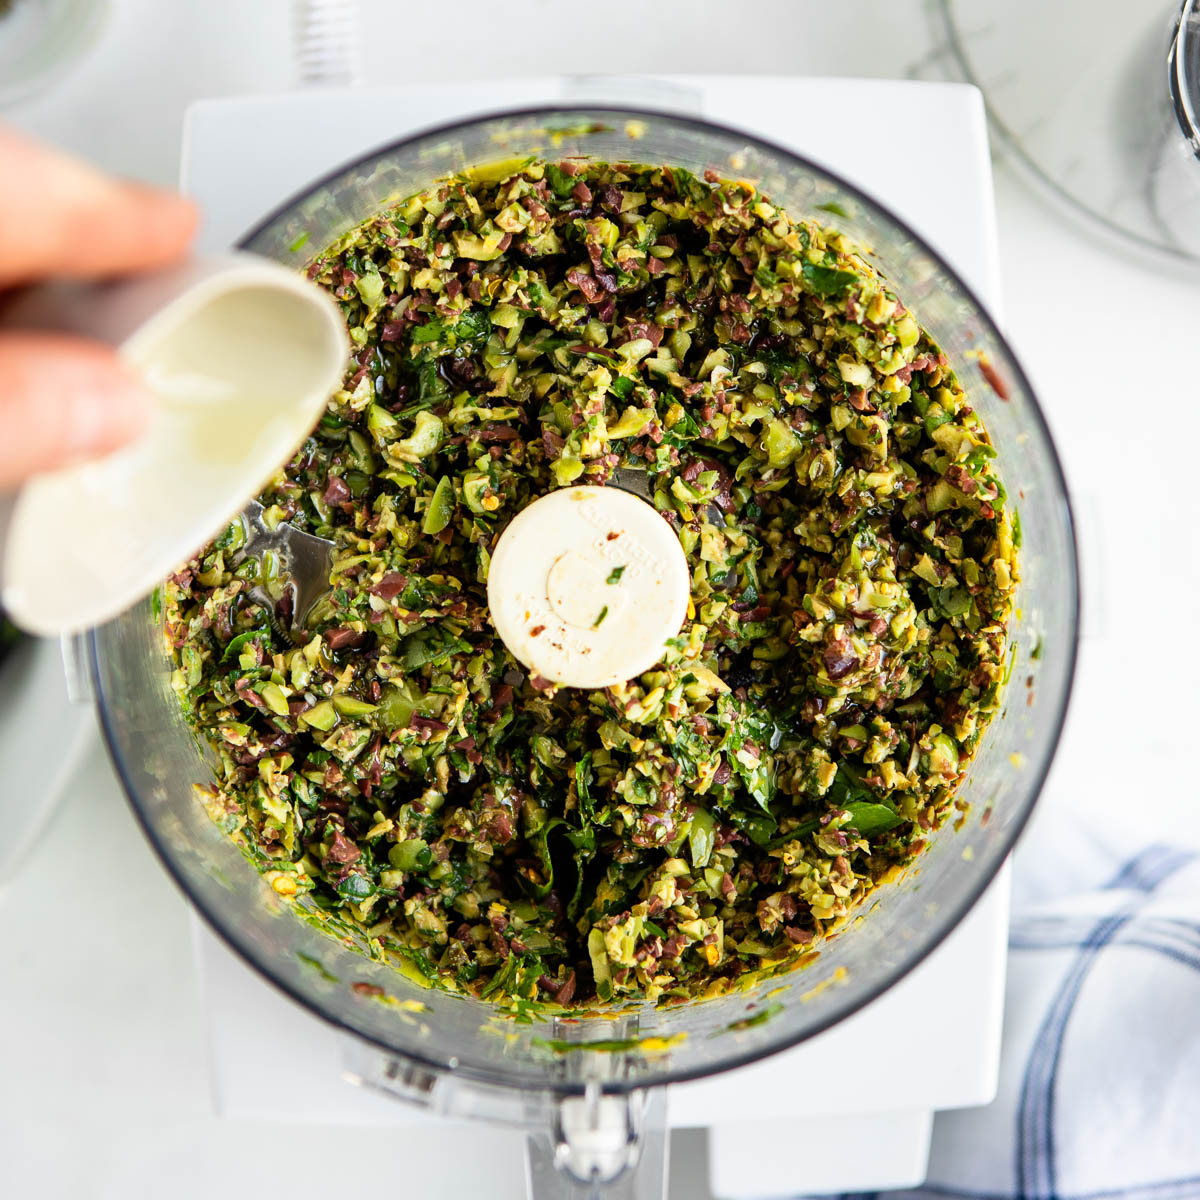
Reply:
x=242, y=355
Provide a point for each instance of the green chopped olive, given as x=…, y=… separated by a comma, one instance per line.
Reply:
x=408, y=855
x=441, y=507
x=275, y=700
x=532, y=324
x=321, y=716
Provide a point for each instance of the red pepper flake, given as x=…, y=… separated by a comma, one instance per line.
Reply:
x=990, y=373
x=366, y=989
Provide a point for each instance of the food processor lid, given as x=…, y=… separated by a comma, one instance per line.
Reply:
x=241, y=355
x=586, y=585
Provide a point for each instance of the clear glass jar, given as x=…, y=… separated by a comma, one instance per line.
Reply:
x=449, y=1056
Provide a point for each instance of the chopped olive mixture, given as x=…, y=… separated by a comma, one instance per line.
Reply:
x=391, y=766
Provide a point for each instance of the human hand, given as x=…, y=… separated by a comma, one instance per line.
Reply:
x=64, y=399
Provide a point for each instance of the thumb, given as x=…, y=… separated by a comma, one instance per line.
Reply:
x=62, y=400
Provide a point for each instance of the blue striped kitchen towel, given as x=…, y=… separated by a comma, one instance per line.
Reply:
x=1100, y=1073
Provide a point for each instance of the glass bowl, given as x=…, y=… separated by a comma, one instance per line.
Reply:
x=456, y=1052
x=42, y=39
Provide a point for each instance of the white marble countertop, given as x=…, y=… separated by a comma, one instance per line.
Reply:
x=100, y=1037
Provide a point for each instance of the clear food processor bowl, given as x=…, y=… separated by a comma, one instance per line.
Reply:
x=458, y=1054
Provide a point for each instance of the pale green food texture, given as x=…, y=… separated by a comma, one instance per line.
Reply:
x=852, y=562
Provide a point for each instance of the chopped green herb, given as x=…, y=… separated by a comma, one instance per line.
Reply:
x=759, y=1018
x=315, y=964
x=832, y=206
x=827, y=281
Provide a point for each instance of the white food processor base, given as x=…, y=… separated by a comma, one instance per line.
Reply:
x=865, y=1095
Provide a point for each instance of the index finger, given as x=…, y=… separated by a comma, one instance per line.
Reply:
x=59, y=216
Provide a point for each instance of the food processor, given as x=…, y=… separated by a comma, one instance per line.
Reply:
x=595, y=1115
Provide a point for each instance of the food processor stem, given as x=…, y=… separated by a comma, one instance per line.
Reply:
x=578, y=1146
x=601, y=1145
